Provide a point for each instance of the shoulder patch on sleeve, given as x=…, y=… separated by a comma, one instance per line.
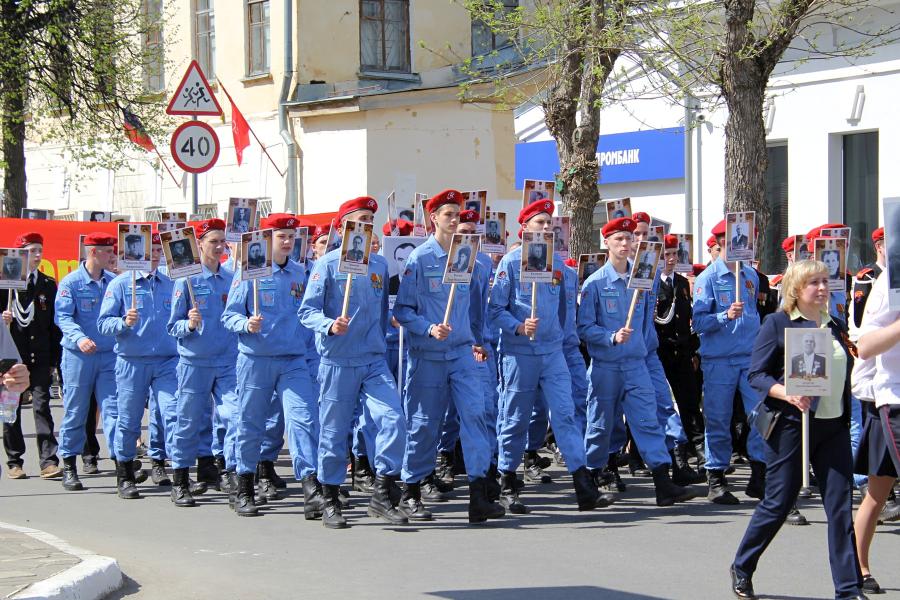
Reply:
x=64, y=292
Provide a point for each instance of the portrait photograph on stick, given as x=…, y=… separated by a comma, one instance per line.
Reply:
x=396, y=249
x=169, y=217
x=421, y=222
x=667, y=227
x=537, y=257
x=299, y=253
x=617, y=209
x=740, y=237
x=561, y=227
x=476, y=201
x=37, y=214
x=170, y=225
x=684, y=255
x=256, y=254
x=643, y=270
x=494, y=233
x=891, y=211
x=801, y=251
x=355, y=248
x=833, y=252
x=98, y=216
x=240, y=218
x=588, y=264
x=181, y=252
x=461, y=258
x=656, y=233
x=535, y=189
x=134, y=247
x=807, y=361
x=13, y=268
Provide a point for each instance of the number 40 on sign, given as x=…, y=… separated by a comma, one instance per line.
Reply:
x=195, y=147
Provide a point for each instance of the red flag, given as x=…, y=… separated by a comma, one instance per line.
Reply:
x=240, y=130
x=135, y=131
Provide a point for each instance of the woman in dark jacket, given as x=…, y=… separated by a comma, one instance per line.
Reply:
x=806, y=295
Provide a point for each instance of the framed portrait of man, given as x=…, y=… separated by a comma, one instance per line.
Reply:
x=476, y=201
x=13, y=269
x=256, y=254
x=299, y=253
x=356, y=246
x=740, y=236
x=98, y=216
x=421, y=222
x=536, y=189
x=461, y=258
x=181, y=252
x=396, y=249
x=656, y=233
x=617, y=209
x=561, y=227
x=135, y=247
x=494, y=233
x=240, y=218
x=684, y=255
x=801, y=250
x=537, y=257
x=170, y=217
x=807, y=361
x=588, y=264
x=833, y=252
x=643, y=269
x=163, y=226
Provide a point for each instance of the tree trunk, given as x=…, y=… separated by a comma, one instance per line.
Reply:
x=579, y=174
x=13, y=94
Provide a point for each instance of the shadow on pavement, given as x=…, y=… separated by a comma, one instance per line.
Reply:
x=129, y=588
x=542, y=593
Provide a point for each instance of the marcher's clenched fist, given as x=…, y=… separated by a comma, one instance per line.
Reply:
x=254, y=324
x=623, y=335
x=340, y=326
x=195, y=319
x=529, y=327
x=440, y=332
x=87, y=346
x=735, y=310
x=17, y=379
x=7, y=317
x=132, y=317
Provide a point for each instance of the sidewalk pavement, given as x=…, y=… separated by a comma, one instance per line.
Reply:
x=35, y=564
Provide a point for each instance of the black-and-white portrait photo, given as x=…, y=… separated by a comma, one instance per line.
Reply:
x=808, y=363
x=492, y=232
x=134, y=247
x=356, y=251
x=537, y=257
x=256, y=255
x=182, y=255
x=12, y=268
x=460, y=262
x=240, y=220
x=399, y=254
x=807, y=369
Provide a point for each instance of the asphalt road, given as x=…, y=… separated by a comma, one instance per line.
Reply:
x=630, y=551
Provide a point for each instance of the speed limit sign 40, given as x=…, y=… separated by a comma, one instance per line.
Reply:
x=195, y=147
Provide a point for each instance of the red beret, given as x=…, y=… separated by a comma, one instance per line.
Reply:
x=719, y=229
x=208, y=225
x=319, y=231
x=31, y=237
x=878, y=234
x=671, y=241
x=788, y=244
x=469, y=216
x=699, y=269
x=445, y=197
x=155, y=239
x=538, y=206
x=571, y=262
x=404, y=227
x=641, y=217
x=626, y=224
x=99, y=239
x=279, y=221
x=304, y=223
x=816, y=232
x=711, y=241
x=361, y=203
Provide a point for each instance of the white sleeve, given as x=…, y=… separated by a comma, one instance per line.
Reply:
x=878, y=313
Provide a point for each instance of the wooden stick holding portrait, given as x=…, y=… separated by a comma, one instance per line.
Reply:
x=536, y=265
x=256, y=261
x=460, y=265
x=356, y=245
x=643, y=273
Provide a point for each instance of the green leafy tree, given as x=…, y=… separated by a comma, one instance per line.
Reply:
x=68, y=68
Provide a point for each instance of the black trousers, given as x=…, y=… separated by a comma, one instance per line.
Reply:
x=91, y=445
x=683, y=379
x=830, y=457
x=14, y=441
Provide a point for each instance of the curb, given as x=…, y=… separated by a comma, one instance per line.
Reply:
x=91, y=579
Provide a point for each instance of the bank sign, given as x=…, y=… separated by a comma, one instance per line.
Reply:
x=623, y=157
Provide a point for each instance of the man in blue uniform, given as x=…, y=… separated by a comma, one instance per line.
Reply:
x=145, y=367
x=205, y=371
x=272, y=368
x=88, y=362
x=530, y=368
x=441, y=360
x=619, y=380
x=353, y=372
x=727, y=322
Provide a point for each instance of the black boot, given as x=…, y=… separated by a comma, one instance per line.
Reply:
x=492, y=484
x=70, y=481
x=140, y=475
x=586, y=491
x=481, y=508
x=432, y=491
x=533, y=471
x=226, y=483
x=411, y=504
x=636, y=465
x=756, y=485
x=197, y=488
x=313, y=499
x=331, y=512
x=278, y=480
x=612, y=466
x=90, y=466
x=158, y=473
x=208, y=471
x=682, y=473
x=243, y=504
x=718, y=488
x=509, y=495
x=380, y=504
x=181, y=493
x=363, y=479
x=127, y=490
x=445, y=468
x=265, y=471
x=667, y=493
x=795, y=517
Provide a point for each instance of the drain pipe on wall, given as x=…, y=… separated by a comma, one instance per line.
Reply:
x=293, y=200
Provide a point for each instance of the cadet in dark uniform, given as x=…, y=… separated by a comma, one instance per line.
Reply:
x=38, y=341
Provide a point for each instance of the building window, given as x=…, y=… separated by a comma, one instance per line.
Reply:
x=484, y=39
x=861, y=195
x=257, y=37
x=384, y=35
x=773, y=259
x=154, y=55
x=205, y=37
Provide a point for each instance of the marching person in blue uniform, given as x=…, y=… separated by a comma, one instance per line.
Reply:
x=727, y=322
x=442, y=365
x=531, y=368
x=619, y=381
x=145, y=367
x=88, y=361
x=271, y=369
x=353, y=371
x=205, y=371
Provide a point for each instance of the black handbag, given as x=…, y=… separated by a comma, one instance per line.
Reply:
x=764, y=419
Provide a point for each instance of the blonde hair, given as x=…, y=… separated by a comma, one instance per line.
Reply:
x=796, y=277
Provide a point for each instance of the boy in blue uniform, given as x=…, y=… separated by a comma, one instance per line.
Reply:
x=619, y=381
x=530, y=368
x=88, y=361
x=272, y=367
x=353, y=371
x=727, y=322
x=205, y=371
x=145, y=367
x=441, y=361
